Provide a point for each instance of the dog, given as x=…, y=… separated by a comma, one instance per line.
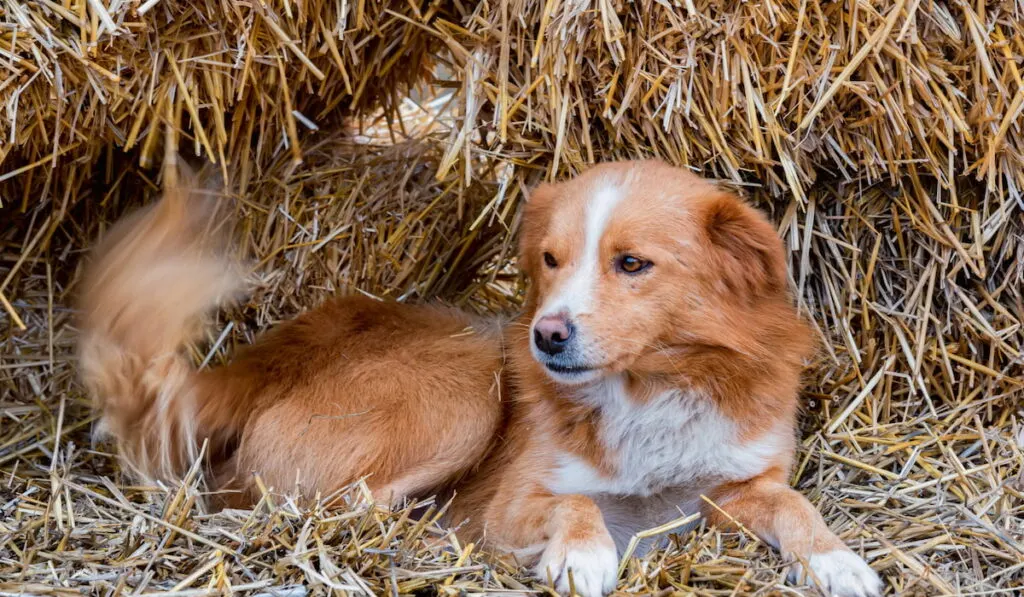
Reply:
x=654, y=372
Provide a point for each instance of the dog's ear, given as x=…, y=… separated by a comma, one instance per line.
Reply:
x=748, y=250
x=533, y=228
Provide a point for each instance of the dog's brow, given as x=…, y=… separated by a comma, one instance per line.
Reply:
x=575, y=295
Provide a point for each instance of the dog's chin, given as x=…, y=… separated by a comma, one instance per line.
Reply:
x=571, y=376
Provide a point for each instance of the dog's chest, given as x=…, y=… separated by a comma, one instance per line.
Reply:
x=671, y=441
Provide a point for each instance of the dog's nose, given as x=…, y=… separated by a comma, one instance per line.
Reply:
x=551, y=334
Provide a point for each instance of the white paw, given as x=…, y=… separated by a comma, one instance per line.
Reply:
x=841, y=573
x=594, y=567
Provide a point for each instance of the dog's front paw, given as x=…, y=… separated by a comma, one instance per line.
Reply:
x=593, y=566
x=841, y=573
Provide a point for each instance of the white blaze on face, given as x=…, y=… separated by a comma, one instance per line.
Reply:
x=575, y=295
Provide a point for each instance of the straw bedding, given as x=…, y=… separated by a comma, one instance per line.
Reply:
x=884, y=138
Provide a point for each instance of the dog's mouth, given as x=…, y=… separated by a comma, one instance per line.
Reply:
x=572, y=374
x=568, y=369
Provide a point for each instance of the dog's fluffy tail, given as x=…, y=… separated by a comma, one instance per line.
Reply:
x=144, y=298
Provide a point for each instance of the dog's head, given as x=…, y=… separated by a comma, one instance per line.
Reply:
x=634, y=263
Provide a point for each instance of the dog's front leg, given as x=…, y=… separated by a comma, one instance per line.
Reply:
x=570, y=534
x=784, y=518
x=579, y=545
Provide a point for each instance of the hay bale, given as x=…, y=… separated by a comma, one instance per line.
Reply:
x=883, y=137
x=786, y=92
x=229, y=81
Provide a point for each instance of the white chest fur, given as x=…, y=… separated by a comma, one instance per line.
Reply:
x=675, y=440
x=666, y=452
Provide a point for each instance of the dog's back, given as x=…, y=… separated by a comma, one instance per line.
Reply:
x=408, y=396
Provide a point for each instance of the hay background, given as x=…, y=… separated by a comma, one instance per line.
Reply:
x=885, y=138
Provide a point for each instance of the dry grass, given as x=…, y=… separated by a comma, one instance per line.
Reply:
x=885, y=138
x=785, y=91
x=237, y=82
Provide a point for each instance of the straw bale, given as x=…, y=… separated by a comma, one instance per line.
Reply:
x=786, y=92
x=231, y=81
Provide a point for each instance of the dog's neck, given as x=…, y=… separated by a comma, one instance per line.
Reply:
x=622, y=437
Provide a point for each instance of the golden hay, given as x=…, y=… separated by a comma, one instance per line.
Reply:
x=786, y=91
x=86, y=75
x=885, y=138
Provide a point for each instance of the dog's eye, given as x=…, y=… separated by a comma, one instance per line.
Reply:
x=549, y=260
x=631, y=265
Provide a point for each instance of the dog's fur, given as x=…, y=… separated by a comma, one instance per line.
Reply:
x=674, y=389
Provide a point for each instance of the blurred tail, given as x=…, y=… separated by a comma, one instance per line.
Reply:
x=144, y=297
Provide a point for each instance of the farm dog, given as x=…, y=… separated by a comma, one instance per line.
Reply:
x=654, y=371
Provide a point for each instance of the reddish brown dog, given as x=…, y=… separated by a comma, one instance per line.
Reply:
x=654, y=372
